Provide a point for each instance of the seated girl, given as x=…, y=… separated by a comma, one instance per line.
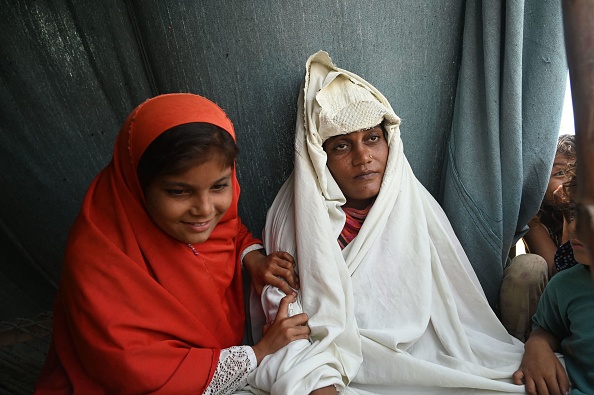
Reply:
x=393, y=303
x=151, y=294
x=547, y=247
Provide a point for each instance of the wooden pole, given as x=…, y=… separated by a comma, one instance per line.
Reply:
x=578, y=24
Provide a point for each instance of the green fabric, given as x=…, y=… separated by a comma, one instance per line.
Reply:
x=505, y=127
x=72, y=70
x=566, y=310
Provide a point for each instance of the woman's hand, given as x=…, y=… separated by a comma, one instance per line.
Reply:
x=276, y=269
x=540, y=370
x=282, y=330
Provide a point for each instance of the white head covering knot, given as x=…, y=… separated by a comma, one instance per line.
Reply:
x=346, y=106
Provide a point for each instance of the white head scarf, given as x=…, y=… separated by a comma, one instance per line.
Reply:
x=399, y=310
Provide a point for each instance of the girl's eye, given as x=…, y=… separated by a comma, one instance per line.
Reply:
x=176, y=192
x=219, y=187
x=559, y=173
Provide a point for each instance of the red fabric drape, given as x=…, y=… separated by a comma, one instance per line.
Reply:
x=137, y=311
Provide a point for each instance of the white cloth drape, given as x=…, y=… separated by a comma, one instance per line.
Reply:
x=399, y=310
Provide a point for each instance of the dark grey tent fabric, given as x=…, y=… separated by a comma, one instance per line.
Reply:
x=71, y=70
x=505, y=126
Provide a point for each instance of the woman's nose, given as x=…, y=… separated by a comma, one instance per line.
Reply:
x=361, y=155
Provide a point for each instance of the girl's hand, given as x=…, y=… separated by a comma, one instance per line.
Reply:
x=283, y=330
x=276, y=269
x=560, y=198
x=540, y=370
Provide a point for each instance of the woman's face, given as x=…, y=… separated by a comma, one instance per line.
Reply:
x=357, y=162
x=188, y=206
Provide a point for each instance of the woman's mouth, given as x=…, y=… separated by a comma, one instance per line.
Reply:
x=365, y=175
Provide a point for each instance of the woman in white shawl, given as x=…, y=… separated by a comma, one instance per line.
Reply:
x=399, y=310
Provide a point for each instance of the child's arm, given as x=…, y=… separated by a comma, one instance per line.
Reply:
x=539, y=242
x=540, y=370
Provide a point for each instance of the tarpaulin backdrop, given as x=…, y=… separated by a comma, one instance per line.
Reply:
x=479, y=86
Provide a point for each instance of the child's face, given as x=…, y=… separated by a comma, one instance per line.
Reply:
x=580, y=252
x=188, y=206
x=553, y=195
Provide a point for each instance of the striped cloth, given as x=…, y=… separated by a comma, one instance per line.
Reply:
x=354, y=221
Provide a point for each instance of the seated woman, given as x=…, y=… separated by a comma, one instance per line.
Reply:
x=151, y=294
x=393, y=303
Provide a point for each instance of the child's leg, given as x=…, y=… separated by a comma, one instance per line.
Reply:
x=524, y=280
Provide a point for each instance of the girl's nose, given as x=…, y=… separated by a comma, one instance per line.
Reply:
x=201, y=206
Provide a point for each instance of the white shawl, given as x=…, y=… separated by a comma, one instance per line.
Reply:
x=400, y=309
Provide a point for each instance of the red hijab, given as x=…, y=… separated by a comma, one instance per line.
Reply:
x=137, y=311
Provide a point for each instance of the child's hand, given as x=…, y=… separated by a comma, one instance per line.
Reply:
x=282, y=330
x=560, y=198
x=540, y=370
x=276, y=269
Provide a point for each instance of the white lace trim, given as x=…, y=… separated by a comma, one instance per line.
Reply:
x=235, y=364
x=248, y=249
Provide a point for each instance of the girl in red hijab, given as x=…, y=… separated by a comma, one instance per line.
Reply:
x=151, y=294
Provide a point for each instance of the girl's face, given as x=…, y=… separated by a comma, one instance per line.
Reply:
x=357, y=162
x=554, y=193
x=188, y=206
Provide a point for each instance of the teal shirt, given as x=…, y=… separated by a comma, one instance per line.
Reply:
x=566, y=310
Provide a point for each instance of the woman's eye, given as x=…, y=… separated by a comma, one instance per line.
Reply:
x=374, y=139
x=341, y=147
